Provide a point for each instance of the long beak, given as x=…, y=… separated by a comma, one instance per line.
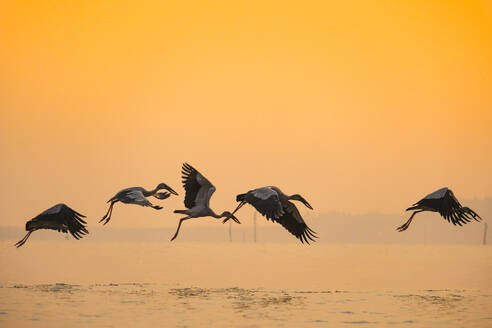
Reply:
x=232, y=214
x=307, y=205
x=235, y=219
x=171, y=191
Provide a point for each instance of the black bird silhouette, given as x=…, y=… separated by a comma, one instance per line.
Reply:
x=445, y=203
x=273, y=204
x=137, y=195
x=59, y=217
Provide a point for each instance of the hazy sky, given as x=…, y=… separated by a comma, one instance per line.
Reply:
x=359, y=106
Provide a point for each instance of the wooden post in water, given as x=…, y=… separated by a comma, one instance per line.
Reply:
x=254, y=232
x=485, y=234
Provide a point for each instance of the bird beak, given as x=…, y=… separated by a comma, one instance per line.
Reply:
x=308, y=205
x=172, y=191
x=235, y=219
x=231, y=217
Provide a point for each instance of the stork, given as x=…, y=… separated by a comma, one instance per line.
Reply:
x=445, y=203
x=59, y=217
x=136, y=195
x=273, y=204
x=197, y=199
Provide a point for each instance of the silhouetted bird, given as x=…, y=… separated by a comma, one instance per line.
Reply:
x=273, y=204
x=197, y=199
x=59, y=217
x=136, y=195
x=444, y=202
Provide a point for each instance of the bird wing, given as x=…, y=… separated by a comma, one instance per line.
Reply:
x=135, y=197
x=73, y=220
x=122, y=193
x=452, y=210
x=438, y=194
x=198, y=188
x=265, y=200
x=431, y=202
x=292, y=220
x=61, y=217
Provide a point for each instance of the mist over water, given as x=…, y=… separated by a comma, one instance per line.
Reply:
x=359, y=273
x=331, y=227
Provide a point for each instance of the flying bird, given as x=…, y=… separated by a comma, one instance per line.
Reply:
x=136, y=195
x=59, y=217
x=273, y=204
x=197, y=199
x=444, y=202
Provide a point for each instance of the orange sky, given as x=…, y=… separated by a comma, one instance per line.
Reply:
x=359, y=106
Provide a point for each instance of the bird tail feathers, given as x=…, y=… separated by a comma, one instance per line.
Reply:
x=180, y=211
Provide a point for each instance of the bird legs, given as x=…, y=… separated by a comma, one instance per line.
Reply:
x=406, y=224
x=145, y=202
x=232, y=214
x=107, y=216
x=23, y=240
x=179, y=226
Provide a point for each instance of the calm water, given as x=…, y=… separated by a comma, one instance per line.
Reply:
x=70, y=284
x=134, y=304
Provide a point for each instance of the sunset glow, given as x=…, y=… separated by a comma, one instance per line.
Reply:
x=360, y=106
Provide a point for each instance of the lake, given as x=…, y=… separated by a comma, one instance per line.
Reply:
x=70, y=283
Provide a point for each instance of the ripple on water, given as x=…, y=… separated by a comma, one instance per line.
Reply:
x=58, y=287
x=279, y=307
x=131, y=302
x=314, y=292
x=83, y=315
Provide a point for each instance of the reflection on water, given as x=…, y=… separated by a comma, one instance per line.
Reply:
x=124, y=304
x=435, y=303
x=244, y=285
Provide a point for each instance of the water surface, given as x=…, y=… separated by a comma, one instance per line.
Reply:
x=75, y=284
